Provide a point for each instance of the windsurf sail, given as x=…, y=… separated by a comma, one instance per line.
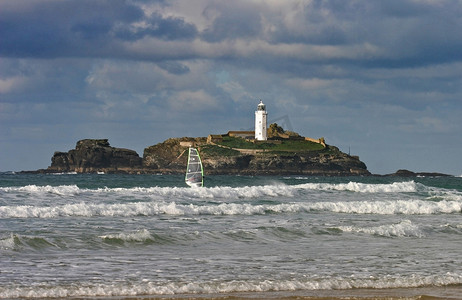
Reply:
x=194, y=170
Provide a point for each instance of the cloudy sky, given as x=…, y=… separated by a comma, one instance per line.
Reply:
x=381, y=79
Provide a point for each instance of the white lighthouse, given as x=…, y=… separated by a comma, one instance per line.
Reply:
x=260, y=122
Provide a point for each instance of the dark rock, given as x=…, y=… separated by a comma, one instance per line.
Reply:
x=171, y=157
x=407, y=173
x=404, y=173
x=95, y=155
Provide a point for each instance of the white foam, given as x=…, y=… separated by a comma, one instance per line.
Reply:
x=442, y=194
x=274, y=190
x=395, y=187
x=224, y=192
x=146, y=288
x=62, y=190
x=64, y=173
x=212, y=192
x=403, y=229
x=408, y=207
x=138, y=236
x=7, y=243
x=390, y=207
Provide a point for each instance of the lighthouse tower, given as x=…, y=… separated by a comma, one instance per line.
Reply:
x=260, y=122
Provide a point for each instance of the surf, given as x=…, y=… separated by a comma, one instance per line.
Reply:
x=154, y=208
x=275, y=190
x=143, y=288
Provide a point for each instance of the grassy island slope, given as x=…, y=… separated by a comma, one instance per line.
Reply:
x=235, y=155
x=237, y=152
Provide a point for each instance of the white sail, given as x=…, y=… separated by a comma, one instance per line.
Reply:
x=194, y=170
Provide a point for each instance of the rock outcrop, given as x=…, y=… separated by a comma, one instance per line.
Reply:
x=407, y=173
x=95, y=155
x=171, y=157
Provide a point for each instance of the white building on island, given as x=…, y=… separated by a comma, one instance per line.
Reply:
x=260, y=122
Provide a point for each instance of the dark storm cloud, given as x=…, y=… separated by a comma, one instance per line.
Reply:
x=173, y=67
x=60, y=28
x=80, y=28
x=416, y=33
x=168, y=28
x=234, y=20
x=403, y=33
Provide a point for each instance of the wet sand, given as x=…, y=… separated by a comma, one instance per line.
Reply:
x=424, y=293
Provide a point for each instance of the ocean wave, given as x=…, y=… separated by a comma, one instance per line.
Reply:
x=186, y=192
x=63, y=190
x=140, y=209
x=225, y=192
x=149, y=288
x=395, y=187
x=403, y=229
x=389, y=207
x=17, y=242
x=143, y=236
x=8, y=243
x=439, y=194
x=64, y=173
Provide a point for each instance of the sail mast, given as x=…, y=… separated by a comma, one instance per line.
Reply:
x=194, y=171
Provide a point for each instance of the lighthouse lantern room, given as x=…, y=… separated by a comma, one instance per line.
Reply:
x=260, y=122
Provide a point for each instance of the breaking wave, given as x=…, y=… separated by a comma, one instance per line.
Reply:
x=405, y=207
x=235, y=286
x=403, y=229
x=273, y=190
x=211, y=192
x=8, y=243
x=138, y=236
x=17, y=242
x=63, y=190
x=395, y=187
x=408, y=198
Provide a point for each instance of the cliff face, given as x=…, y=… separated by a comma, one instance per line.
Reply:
x=329, y=162
x=171, y=157
x=95, y=156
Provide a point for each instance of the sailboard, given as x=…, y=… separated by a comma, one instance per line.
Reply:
x=194, y=171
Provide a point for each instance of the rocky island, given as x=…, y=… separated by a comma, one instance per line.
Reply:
x=264, y=151
x=95, y=155
x=282, y=153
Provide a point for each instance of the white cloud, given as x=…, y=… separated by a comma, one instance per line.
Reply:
x=10, y=84
x=189, y=101
x=236, y=91
x=310, y=83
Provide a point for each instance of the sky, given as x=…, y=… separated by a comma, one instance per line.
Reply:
x=378, y=79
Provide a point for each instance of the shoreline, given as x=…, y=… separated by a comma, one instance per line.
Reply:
x=422, y=293
x=452, y=292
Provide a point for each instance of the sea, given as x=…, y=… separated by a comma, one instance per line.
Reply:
x=105, y=236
